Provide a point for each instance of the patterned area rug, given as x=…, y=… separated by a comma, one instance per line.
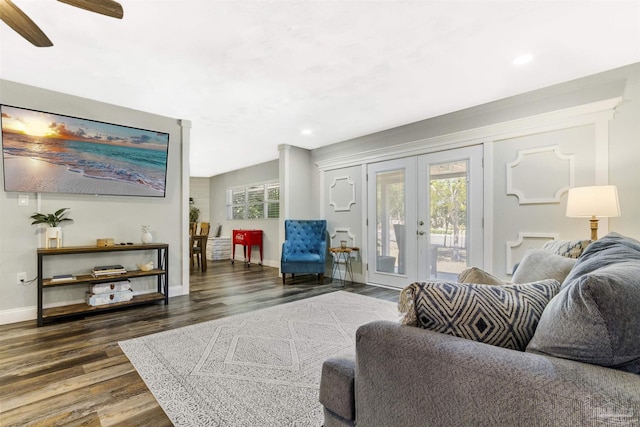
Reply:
x=253, y=369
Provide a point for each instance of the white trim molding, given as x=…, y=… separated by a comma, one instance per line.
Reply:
x=596, y=112
x=518, y=188
x=522, y=236
x=342, y=205
x=185, y=133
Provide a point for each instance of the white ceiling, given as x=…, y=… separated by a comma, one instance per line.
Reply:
x=250, y=75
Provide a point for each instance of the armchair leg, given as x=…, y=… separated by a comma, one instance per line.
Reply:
x=321, y=278
x=283, y=275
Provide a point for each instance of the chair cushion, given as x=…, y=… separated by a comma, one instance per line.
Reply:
x=303, y=257
x=505, y=316
x=540, y=264
x=596, y=316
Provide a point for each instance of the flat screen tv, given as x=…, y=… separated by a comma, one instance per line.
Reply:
x=52, y=153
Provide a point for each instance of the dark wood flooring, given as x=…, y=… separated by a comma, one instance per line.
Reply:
x=73, y=373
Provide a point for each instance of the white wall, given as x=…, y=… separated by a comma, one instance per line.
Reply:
x=199, y=191
x=343, y=208
x=624, y=156
x=218, y=186
x=94, y=216
x=295, y=183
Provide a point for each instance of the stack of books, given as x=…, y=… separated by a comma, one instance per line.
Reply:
x=108, y=270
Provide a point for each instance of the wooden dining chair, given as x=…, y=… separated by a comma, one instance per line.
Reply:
x=199, y=247
x=204, y=228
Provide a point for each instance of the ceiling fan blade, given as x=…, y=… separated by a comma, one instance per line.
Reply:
x=104, y=7
x=22, y=24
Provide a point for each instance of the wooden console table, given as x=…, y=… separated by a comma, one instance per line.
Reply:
x=73, y=310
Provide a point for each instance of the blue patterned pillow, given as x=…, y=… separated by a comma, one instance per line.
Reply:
x=504, y=316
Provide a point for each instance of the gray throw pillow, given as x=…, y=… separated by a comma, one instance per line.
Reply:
x=504, y=316
x=596, y=316
x=540, y=264
x=609, y=250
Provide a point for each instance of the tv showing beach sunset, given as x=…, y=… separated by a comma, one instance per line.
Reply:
x=52, y=153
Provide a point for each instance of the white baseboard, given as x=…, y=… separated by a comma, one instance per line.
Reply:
x=16, y=315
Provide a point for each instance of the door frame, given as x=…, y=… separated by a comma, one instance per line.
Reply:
x=381, y=278
x=474, y=234
x=414, y=269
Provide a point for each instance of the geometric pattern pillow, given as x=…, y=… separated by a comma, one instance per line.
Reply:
x=504, y=316
x=568, y=248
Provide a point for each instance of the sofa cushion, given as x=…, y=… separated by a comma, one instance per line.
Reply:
x=596, y=317
x=540, y=264
x=504, y=316
x=609, y=250
x=479, y=276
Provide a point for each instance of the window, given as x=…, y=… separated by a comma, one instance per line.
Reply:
x=256, y=201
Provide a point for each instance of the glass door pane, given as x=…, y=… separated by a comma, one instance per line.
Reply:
x=448, y=200
x=450, y=234
x=391, y=218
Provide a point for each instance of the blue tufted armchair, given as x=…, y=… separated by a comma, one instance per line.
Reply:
x=304, y=248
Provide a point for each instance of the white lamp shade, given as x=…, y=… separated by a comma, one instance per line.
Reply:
x=599, y=201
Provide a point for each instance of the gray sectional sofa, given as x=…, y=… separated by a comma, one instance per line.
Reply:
x=580, y=368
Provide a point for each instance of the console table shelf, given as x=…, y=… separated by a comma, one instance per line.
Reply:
x=76, y=309
x=72, y=310
x=87, y=278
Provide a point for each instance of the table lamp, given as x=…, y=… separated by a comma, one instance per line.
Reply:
x=593, y=202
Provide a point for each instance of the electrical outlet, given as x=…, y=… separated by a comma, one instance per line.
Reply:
x=22, y=277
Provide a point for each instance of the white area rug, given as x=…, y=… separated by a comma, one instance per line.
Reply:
x=253, y=369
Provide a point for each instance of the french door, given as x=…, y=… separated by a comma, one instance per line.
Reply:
x=425, y=217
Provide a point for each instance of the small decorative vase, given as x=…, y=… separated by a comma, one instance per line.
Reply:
x=146, y=234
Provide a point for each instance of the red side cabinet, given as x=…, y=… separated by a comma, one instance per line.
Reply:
x=247, y=238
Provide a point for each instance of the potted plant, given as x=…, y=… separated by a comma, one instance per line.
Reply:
x=54, y=231
x=194, y=214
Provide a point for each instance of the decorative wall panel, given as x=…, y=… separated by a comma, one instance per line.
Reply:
x=342, y=234
x=342, y=194
x=540, y=175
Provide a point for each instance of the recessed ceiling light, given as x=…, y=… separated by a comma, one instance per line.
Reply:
x=523, y=59
x=306, y=132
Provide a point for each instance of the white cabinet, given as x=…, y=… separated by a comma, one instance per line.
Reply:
x=219, y=248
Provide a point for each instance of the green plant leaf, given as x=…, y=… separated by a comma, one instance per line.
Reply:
x=50, y=219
